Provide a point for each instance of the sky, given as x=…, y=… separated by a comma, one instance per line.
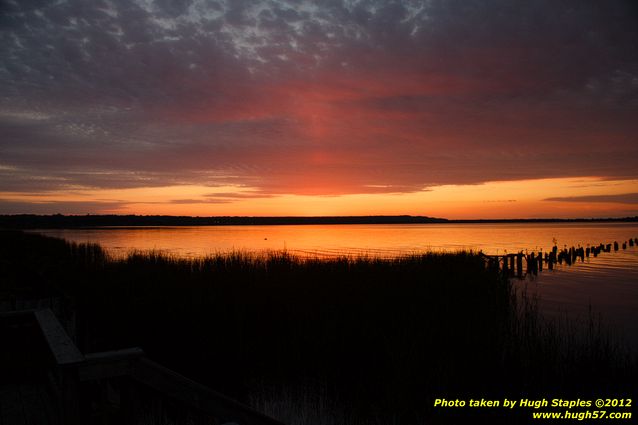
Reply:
x=455, y=108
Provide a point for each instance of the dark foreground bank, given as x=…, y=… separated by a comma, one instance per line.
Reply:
x=326, y=341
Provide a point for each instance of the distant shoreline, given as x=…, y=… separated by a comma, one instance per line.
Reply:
x=32, y=221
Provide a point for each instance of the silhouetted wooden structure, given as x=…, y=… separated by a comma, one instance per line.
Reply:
x=50, y=382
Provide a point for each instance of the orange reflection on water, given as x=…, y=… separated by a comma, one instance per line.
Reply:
x=351, y=239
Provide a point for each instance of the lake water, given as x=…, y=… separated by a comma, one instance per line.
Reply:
x=608, y=283
x=383, y=240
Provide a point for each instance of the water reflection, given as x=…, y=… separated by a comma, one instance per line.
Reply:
x=352, y=239
x=608, y=284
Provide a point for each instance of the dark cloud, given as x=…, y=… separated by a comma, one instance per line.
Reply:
x=625, y=198
x=315, y=97
x=199, y=201
x=230, y=195
x=57, y=207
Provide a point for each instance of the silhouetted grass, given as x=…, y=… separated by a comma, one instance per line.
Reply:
x=362, y=340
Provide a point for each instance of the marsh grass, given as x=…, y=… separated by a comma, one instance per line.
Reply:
x=312, y=340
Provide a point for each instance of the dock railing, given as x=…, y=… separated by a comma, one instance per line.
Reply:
x=129, y=371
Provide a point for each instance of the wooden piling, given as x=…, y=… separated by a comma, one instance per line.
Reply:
x=513, y=263
x=519, y=265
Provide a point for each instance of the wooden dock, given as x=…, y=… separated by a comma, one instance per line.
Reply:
x=46, y=380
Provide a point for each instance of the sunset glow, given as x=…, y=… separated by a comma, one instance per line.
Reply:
x=455, y=110
x=584, y=197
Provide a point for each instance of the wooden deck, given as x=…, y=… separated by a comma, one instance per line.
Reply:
x=46, y=380
x=28, y=403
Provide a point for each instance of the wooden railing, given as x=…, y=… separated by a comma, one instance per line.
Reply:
x=74, y=370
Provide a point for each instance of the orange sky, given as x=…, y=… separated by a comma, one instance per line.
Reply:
x=513, y=199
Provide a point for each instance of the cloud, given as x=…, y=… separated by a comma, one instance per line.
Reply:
x=59, y=207
x=199, y=201
x=307, y=97
x=624, y=198
x=239, y=195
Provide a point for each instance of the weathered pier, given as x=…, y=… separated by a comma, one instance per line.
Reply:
x=511, y=265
